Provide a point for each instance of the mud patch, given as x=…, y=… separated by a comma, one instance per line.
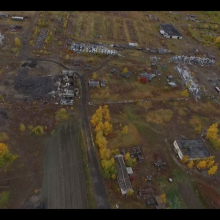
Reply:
x=3, y=114
x=32, y=64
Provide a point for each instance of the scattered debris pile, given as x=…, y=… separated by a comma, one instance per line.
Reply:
x=87, y=67
x=193, y=60
x=67, y=87
x=171, y=82
x=135, y=152
x=160, y=164
x=149, y=76
x=113, y=70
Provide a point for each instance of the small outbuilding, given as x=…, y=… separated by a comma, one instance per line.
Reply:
x=93, y=83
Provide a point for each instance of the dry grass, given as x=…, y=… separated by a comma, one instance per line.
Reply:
x=159, y=116
x=182, y=111
x=146, y=105
x=205, y=108
x=118, y=140
x=196, y=122
x=101, y=93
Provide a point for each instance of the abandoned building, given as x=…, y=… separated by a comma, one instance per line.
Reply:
x=91, y=48
x=132, y=44
x=113, y=70
x=93, y=83
x=149, y=76
x=122, y=175
x=1, y=39
x=135, y=152
x=160, y=164
x=15, y=28
x=145, y=193
x=4, y=15
x=102, y=83
x=163, y=51
x=159, y=203
x=195, y=149
x=17, y=18
x=168, y=31
x=67, y=87
x=126, y=75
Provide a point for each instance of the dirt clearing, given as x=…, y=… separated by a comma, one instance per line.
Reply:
x=64, y=185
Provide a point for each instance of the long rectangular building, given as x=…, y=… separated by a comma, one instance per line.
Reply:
x=122, y=175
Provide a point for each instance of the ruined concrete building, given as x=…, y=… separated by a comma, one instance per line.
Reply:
x=67, y=87
x=193, y=60
x=91, y=48
x=187, y=78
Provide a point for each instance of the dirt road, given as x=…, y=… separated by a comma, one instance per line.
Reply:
x=64, y=185
x=189, y=196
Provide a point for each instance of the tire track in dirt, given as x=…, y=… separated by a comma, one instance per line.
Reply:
x=189, y=196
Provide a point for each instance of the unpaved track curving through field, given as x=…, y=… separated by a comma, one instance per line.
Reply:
x=64, y=185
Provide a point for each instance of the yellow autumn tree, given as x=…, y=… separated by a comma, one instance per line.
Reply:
x=130, y=192
x=210, y=163
x=99, y=127
x=217, y=40
x=106, y=154
x=107, y=128
x=127, y=156
x=102, y=152
x=125, y=129
x=62, y=115
x=17, y=42
x=216, y=143
x=113, y=176
x=3, y=148
x=201, y=164
x=22, y=127
x=185, y=93
x=94, y=75
x=67, y=57
x=125, y=70
x=95, y=120
x=36, y=31
x=190, y=164
x=185, y=159
x=212, y=170
x=163, y=198
x=212, y=132
x=3, y=137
